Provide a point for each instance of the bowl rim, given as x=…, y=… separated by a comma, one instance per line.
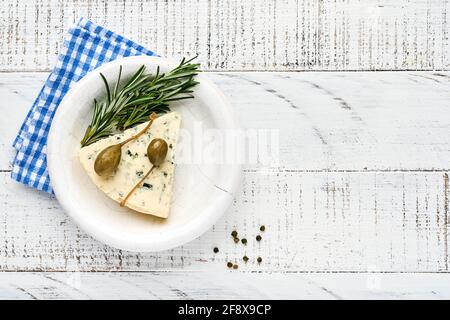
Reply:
x=188, y=232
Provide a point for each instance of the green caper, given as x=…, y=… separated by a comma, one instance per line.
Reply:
x=108, y=160
x=157, y=151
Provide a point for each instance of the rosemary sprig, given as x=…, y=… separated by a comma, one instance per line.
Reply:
x=141, y=95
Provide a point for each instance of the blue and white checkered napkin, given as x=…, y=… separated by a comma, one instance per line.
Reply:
x=86, y=47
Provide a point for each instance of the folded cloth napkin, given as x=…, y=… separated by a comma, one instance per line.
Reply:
x=86, y=47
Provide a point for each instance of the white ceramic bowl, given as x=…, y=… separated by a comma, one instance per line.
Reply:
x=201, y=194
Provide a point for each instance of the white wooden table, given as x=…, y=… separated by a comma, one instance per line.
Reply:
x=359, y=204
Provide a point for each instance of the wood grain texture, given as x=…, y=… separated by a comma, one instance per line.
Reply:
x=315, y=222
x=221, y=285
x=362, y=183
x=346, y=121
x=243, y=35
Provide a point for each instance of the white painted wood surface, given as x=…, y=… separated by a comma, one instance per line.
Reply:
x=218, y=285
x=383, y=121
x=362, y=187
x=243, y=35
x=362, y=183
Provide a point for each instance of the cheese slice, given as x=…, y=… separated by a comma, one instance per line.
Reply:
x=154, y=195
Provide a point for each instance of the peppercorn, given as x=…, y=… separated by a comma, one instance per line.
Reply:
x=245, y=258
x=262, y=228
x=259, y=259
x=216, y=249
x=229, y=264
x=234, y=234
x=236, y=240
x=258, y=238
x=235, y=266
x=244, y=241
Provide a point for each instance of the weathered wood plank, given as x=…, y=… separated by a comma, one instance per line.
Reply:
x=332, y=221
x=326, y=121
x=243, y=35
x=222, y=285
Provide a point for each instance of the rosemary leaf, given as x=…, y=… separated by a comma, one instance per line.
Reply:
x=141, y=95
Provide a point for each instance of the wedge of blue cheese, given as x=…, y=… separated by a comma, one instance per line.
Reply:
x=155, y=193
